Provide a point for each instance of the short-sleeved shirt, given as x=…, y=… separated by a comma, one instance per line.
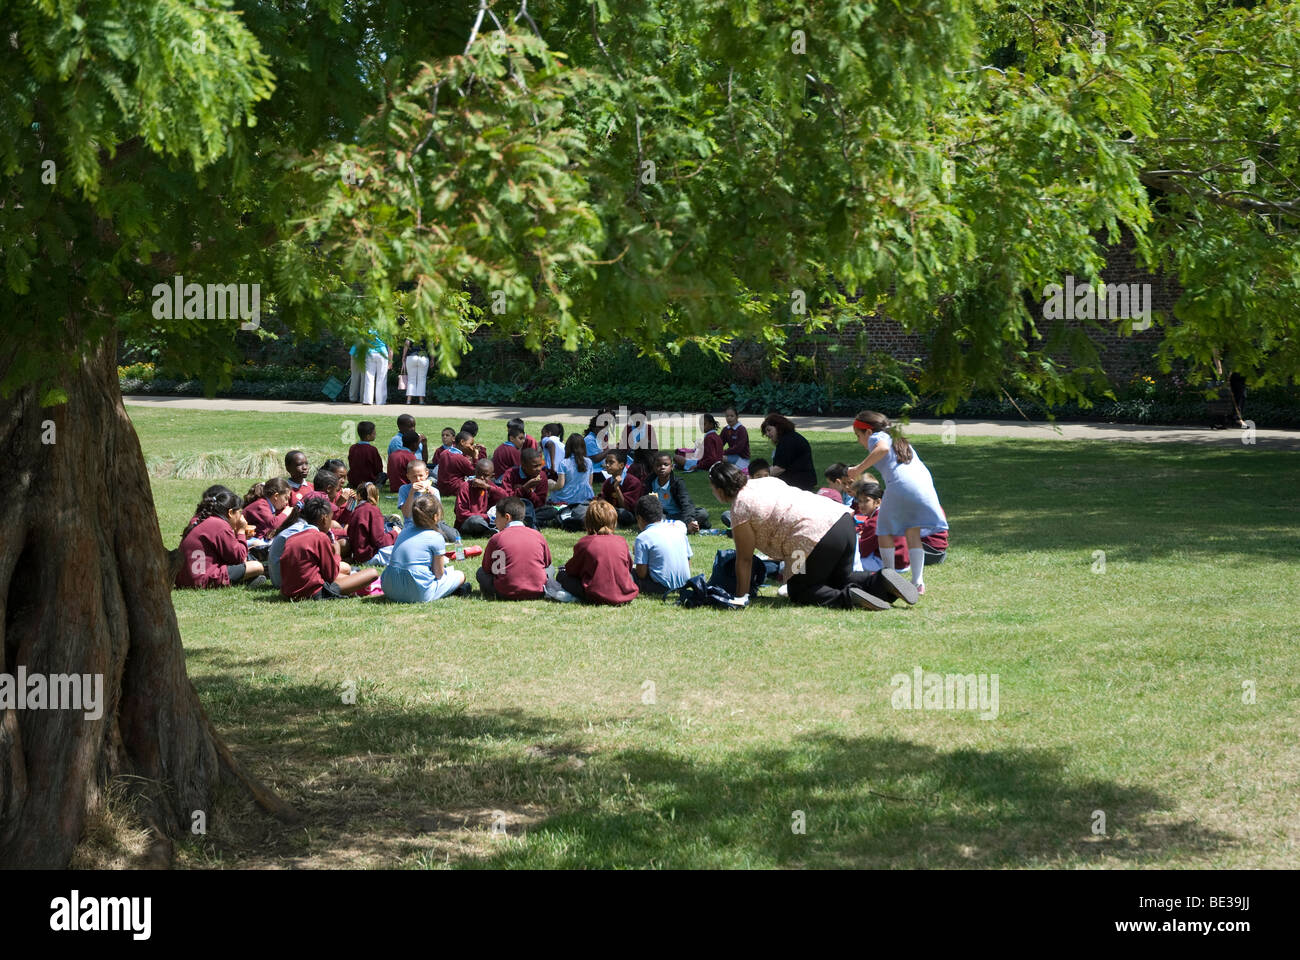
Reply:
x=665, y=550
x=276, y=550
x=784, y=519
x=577, y=484
x=794, y=456
x=408, y=577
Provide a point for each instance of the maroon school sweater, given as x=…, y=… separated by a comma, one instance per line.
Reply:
x=301, y=493
x=266, y=522
x=366, y=531
x=397, y=461
x=453, y=468
x=632, y=490
x=712, y=450
x=307, y=564
x=604, y=565
x=365, y=463
x=504, y=459
x=737, y=441
x=525, y=554
x=471, y=501
x=513, y=483
x=206, y=550
x=869, y=543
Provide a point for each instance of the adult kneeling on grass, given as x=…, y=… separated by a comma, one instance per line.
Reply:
x=812, y=535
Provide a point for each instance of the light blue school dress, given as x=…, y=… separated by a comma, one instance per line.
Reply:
x=577, y=485
x=910, y=498
x=409, y=578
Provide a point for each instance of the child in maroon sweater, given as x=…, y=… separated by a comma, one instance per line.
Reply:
x=267, y=506
x=296, y=465
x=453, y=466
x=475, y=498
x=506, y=456
x=600, y=570
x=365, y=465
x=621, y=489
x=367, y=532
x=866, y=505
x=735, y=439
x=517, y=560
x=399, y=459
x=532, y=484
x=214, y=548
x=310, y=568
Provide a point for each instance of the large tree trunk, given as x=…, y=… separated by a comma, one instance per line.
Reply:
x=85, y=587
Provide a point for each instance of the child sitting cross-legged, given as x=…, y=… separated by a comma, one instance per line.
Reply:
x=709, y=450
x=417, y=481
x=310, y=568
x=476, y=497
x=517, y=560
x=662, y=554
x=600, y=570
x=417, y=570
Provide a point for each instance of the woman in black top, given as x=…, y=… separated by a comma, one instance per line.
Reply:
x=792, y=460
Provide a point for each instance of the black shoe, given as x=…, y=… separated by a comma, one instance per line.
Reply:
x=865, y=601
x=258, y=582
x=900, y=586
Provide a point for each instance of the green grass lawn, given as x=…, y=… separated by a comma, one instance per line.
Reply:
x=1119, y=691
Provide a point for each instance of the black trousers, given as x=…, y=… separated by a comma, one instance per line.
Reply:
x=476, y=525
x=649, y=586
x=572, y=584
x=828, y=571
x=487, y=583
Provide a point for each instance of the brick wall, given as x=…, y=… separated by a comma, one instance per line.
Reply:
x=1121, y=356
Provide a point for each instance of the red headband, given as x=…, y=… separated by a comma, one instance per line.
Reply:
x=859, y=425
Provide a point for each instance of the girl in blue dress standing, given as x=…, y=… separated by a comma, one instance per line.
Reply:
x=910, y=500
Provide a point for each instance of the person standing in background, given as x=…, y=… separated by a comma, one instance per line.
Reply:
x=374, y=385
x=415, y=362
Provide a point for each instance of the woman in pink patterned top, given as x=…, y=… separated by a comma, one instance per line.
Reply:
x=814, y=537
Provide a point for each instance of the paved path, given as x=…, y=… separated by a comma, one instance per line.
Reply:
x=1269, y=439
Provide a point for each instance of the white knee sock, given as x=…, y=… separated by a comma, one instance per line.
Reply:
x=917, y=557
x=886, y=556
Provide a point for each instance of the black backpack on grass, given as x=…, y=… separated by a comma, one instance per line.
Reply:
x=697, y=592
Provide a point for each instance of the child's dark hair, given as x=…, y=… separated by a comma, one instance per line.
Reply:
x=217, y=502
x=417, y=462
x=758, y=463
x=530, y=454
x=334, y=465
x=367, y=492
x=411, y=440
x=448, y=429
x=268, y=489
x=290, y=455
x=325, y=479
x=554, y=430
x=405, y=422
x=837, y=471
x=708, y=421
x=576, y=448
x=366, y=430
x=727, y=477
x=618, y=453
x=464, y=437
x=485, y=466
x=868, y=488
x=470, y=427
x=513, y=508
x=878, y=422
x=649, y=509
x=316, y=509
x=514, y=428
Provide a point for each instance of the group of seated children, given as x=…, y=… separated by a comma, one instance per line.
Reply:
x=310, y=530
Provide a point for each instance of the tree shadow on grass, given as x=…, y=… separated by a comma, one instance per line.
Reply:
x=862, y=802
x=382, y=779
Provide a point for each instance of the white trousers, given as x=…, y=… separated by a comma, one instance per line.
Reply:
x=374, y=388
x=417, y=375
x=358, y=371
